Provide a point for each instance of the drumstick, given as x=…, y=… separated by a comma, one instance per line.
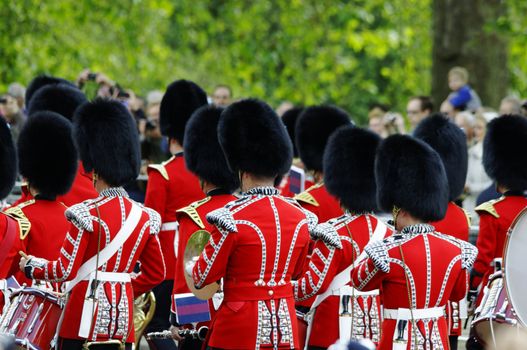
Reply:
x=22, y=254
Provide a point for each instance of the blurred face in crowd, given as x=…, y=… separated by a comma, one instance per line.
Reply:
x=480, y=127
x=152, y=111
x=455, y=82
x=415, y=113
x=221, y=96
x=376, y=125
x=447, y=109
x=11, y=107
x=508, y=107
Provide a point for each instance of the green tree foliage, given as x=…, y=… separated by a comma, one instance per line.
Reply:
x=344, y=52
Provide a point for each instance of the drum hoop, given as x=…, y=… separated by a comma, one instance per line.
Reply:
x=516, y=220
x=47, y=295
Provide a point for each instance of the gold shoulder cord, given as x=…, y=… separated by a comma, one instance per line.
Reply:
x=414, y=324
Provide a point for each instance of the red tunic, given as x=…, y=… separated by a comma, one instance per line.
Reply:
x=46, y=232
x=456, y=223
x=436, y=267
x=82, y=189
x=113, y=318
x=338, y=243
x=495, y=218
x=171, y=187
x=257, y=246
x=9, y=265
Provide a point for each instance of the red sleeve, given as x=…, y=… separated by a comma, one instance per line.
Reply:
x=212, y=263
x=366, y=276
x=460, y=289
x=152, y=267
x=156, y=192
x=486, y=243
x=322, y=267
x=69, y=261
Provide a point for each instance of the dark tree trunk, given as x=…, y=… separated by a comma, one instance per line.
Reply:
x=463, y=36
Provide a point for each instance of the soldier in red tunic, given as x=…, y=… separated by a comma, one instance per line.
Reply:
x=450, y=142
x=418, y=269
x=508, y=168
x=340, y=311
x=171, y=187
x=9, y=227
x=205, y=159
x=108, y=235
x=62, y=99
x=259, y=242
x=48, y=162
x=313, y=128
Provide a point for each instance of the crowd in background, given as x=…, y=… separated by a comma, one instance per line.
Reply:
x=462, y=105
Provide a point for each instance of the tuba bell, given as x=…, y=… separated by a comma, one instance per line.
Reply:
x=144, y=308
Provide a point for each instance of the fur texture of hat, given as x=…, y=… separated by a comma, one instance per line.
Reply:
x=504, y=156
x=59, y=98
x=313, y=128
x=289, y=118
x=254, y=139
x=410, y=175
x=108, y=141
x=47, y=154
x=450, y=142
x=41, y=81
x=349, y=168
x=8, y=160
x=203, y=154
x=180, y=100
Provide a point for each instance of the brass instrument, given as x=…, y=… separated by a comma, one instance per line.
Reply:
x=144, y=308
x=195, y=245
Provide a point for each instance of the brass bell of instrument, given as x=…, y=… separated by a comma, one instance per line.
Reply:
x=195, y=245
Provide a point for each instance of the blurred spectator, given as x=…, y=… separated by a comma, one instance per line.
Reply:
x=13, y=114
x=153, y=102
x=477, y=178
x=418, y=108
x=284, y=107
x=222, y=96
x=465, y=120
x=510, y=105
x=462, y=96
x=524, y=108
x=383, y=122
x=18, y=91
x=448, y=110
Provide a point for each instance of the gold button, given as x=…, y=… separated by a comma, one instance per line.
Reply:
x=270, y=292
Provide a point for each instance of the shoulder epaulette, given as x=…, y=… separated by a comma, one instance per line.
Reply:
x=312, y=219
x=80, y=216
x=469, y=254
x=378, y=253
x=222, y=218
x=467, y=215
x=23, y=222
x=306, y=197
x=193, y=213
x=488, y=207
x=327, y=234
x=161, y=169
x=155, y=220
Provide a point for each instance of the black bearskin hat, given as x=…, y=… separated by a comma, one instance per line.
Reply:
x=504, y=156
x=313, y=128
x=8, y=161
x=410, y=175
x=450, y=142
x=348, y=168
x=47, y=154
x=41, y=81
x=203, y=154
x=254, y=139
x=108, y=141
x=59, y=98
x=289, y=118
x=180, y=100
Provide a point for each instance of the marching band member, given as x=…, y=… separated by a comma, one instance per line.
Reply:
x=56, y=96
x=108, y=235
x=313, y=128
x=260, y=241
x=9, y=226
x=450, y=142
x=507, y=168
x=343, y=312
x=205, y=159
x=45, y=142
x=171, y=187
x=418, y=269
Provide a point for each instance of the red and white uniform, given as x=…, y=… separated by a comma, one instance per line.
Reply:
x=419, y=270
x=191, y=219
x=495, y=218
x=456, y=223
x=45, y=231
x=113, y=318
x=339, y=242
x=82, y=189
x=171, y=187
x=9, y=246
x=317, y=200
x=258, y=245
